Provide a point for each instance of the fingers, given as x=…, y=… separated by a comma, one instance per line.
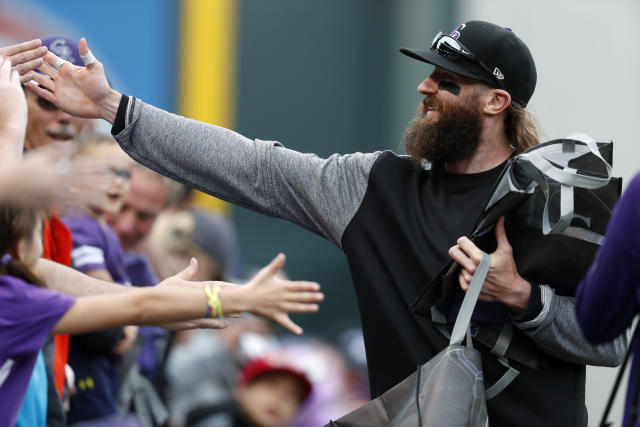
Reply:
x=83, y=48
x=85, y=53
x=28, y=66
x=5, y=69
x=464, y=283
x=24, y=78
x=305, y=297
x=42, y=93
x=48, y=65
x=196, y=324
x=48, y=70
x=301, y=286
x=299, y=307
x=285, y=321
x=190, y=272
x=44, y=81
x=466, y=276
x=270, y=269
x=501, y=235
x=276, y=264
x=28, y=60
x=59, y=63
x=470, y=249
x=21, y=47
x=233, y=315
x=462, y=259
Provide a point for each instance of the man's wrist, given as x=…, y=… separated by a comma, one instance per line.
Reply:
x=518, y=300
x=109, y=106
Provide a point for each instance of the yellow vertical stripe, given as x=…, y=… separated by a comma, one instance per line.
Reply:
x=206, y=90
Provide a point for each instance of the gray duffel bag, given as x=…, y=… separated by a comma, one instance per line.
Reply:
x=448, y=390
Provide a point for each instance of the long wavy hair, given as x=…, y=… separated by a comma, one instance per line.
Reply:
x=16, y=223
x=521, y=127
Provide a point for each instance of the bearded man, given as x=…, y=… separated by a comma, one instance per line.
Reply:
x=395, y=217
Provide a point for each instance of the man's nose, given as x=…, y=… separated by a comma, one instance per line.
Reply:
x=428, y=86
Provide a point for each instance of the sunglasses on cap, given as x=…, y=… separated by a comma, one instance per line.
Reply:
x=451, y=48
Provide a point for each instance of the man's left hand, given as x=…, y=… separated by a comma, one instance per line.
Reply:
x=503, y=283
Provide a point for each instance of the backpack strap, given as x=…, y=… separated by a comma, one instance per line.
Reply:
x=500, y=349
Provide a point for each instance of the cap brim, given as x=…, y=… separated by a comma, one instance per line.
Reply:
x=465, y=68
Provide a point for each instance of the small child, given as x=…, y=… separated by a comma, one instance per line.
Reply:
x=97, y=252
x=269, y=393
x=29, y=313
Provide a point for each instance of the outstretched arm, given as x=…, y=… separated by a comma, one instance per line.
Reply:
x=555, y=329
x=265, y=295
x=321, y=195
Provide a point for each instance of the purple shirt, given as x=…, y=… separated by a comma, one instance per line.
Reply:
x=96, y=247
x=609, y=296
x=27, y=316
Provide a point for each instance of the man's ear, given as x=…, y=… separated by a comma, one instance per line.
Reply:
x=496, y=101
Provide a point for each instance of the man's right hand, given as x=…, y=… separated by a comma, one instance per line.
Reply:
x=79, y=91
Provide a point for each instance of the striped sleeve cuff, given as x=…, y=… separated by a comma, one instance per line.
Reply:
x=546, y=295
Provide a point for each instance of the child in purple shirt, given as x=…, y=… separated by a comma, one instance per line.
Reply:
x=28, y=313
x=95, y=357
x=609, y=296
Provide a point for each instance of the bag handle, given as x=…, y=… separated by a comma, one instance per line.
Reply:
x=538, y=167
x=470, y=299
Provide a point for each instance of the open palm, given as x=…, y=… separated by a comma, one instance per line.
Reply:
x=79, y=91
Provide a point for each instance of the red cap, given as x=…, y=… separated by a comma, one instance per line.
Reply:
x=265, y=365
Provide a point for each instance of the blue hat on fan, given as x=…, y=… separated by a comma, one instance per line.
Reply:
x=64, y=48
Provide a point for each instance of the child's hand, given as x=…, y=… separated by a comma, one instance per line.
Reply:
x=273, y=297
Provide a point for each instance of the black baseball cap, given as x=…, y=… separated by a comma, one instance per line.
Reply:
x=498, y=58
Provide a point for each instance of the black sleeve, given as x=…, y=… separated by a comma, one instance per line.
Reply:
x=533, y=308
x=119, y=122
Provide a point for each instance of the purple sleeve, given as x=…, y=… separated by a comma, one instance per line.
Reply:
x=608, y=297
x=27, y=315
x=88, y=243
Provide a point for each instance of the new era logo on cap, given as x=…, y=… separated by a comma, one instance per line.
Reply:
x=498, y=74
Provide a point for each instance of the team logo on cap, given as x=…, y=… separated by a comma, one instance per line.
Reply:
x=60, y=48
x=456, y=31
x=498, y=74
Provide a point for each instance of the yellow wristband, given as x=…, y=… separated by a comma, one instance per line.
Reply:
x=214, y=306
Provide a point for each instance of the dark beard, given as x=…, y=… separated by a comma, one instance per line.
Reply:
x=454, y=136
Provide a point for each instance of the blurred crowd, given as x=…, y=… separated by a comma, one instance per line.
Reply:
x=117, y=221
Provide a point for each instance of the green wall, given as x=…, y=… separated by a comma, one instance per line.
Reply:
x=326, y=77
